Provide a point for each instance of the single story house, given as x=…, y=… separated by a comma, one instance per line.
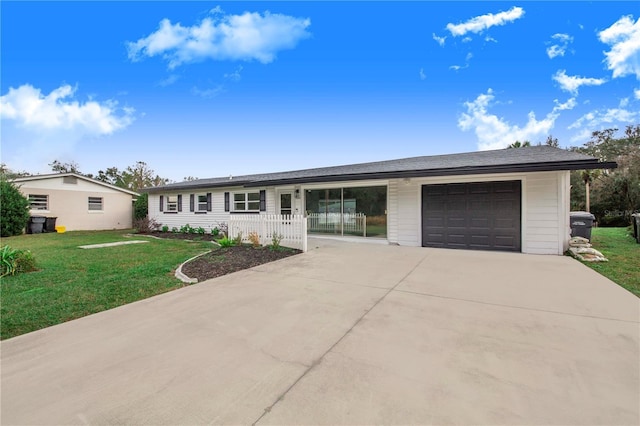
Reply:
x=78, y=202
x=511, y=199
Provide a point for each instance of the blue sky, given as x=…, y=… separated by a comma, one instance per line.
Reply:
x=216, y=88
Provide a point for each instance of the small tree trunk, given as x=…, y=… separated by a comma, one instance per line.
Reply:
x=587, y=201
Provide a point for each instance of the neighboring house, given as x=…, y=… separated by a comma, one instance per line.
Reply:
x=78, y=202
x=511, y=199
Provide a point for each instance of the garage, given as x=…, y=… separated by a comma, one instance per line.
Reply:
x=473, y=216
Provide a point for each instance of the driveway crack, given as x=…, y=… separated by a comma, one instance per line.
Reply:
x=318, y=361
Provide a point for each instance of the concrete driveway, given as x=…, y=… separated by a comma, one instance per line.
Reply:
x=346, y=334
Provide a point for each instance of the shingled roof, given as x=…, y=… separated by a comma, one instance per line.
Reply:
x=527, y=159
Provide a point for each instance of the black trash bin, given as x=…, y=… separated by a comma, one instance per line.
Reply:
x=635, y=221
x=50, y=224
x=581, y=224
x=36, y=223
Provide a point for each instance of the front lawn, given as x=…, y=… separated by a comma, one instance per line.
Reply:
x=623, y=253
x=71, y=282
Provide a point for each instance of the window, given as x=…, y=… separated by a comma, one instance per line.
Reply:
x=38, y=202
x=95, y=203
x=172, y=203
x=246, y=201
x=202, y=203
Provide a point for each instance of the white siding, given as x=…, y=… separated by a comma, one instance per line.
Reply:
x=207, y=220
x=392, y=212
x=545, y=209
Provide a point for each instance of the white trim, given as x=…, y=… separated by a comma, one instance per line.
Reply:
x=62, y=175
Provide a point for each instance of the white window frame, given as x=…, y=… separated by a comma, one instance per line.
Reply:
x=95, y=204
x=172, y=203
x=242, y=201
x=38, y=204
x=201, y=202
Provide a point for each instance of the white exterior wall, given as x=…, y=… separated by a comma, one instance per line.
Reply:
x=544, y=213
x=69, y=203
x=207, y=220
x=545, y=209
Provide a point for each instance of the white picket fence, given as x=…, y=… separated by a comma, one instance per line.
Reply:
x=291, y=228
x=330, y=222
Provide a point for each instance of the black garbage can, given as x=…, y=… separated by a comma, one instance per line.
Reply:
x=36, y=224
x=635, y=222
x=50, y=224
x=581, y=224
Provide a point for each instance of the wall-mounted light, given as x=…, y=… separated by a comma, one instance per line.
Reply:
x=297, y=193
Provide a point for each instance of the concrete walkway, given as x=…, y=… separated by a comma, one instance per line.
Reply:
x=346, y=334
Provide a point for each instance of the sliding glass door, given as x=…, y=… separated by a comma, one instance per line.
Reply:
x=360, y=211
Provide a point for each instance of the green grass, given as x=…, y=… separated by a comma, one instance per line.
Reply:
x=623, y=267
x=71, y=282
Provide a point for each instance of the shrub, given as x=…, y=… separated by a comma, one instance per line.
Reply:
x=174, y=230
x=254, y=238
x=15, y=261
x=275, y=241
x=141, y=206
x=145, y=225
x=215, y=231
x=14, y=209
x=165, y=228
x=226, y=242
x=186, y=229
x=223, y=228
x=200, y=230
x=238, y=239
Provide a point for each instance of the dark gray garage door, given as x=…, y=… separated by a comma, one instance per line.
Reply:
x=477, y=216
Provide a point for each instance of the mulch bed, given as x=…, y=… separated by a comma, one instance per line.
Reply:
x=225, y=260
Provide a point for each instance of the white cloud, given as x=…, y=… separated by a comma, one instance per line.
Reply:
x=422, y=74
x=569, y=105
x=439, y=40
x=610, y=117
x=208, y=93
x=495, y=132
x=250, y=36
x=571, y=83
x=169, y=80
x=560, y=48
x=30, y=109
x=636, y=93
x=484, y=22
x=466, y=63
x=235, y=75
x=624, y=38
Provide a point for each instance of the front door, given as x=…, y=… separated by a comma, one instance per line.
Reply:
x=286, y=203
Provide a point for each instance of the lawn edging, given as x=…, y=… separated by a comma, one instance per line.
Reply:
x=182, y=276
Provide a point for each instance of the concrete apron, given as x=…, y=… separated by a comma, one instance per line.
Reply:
x=346, y=334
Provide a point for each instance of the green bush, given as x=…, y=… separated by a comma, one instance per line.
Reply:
x=14, y=209
x=141, y=206
x=13, y=261
x=226, y=242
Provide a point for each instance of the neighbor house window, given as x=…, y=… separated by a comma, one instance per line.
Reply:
x=246, y=201
x=95, y=203
x=38, y=202
x=172, y=203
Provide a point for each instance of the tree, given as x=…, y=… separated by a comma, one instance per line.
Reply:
x=189, y=179
x=518, y=144
x=141, y=176
x=112, y=176
x=551, y=141
x=7, y=173
x=14, y=209
x=141, y=206
x=611, y=195
x=70, y=167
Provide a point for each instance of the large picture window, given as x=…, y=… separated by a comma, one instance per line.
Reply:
x=360, y=211
x=38, y=202
x=246, y=201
